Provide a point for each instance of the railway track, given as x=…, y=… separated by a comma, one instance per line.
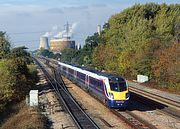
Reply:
x=80, y=118
x=156, y=97
x=164, y=105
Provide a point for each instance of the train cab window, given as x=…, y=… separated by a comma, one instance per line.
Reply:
x=118, y=86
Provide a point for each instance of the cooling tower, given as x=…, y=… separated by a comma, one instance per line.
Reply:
x=44, y=43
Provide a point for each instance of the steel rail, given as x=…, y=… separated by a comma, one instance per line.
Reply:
x=133, y=120
x=157, y=102
x=155, y=105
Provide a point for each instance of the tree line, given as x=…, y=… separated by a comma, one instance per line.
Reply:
x=17, y=73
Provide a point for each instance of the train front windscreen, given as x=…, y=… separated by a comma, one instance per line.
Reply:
x=118, y=86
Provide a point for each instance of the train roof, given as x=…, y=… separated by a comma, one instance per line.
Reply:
x=111, y=77
x=108, y=75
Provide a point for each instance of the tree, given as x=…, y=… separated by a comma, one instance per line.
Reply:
x=4, y=45
x=16, y=77
x=20, y=52
x=14, y=81
x=92, y=41
x=67, y=55
x=166, y=66
x=57, y=56
x=105, y=57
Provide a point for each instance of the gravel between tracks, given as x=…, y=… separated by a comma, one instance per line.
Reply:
x=158, y=119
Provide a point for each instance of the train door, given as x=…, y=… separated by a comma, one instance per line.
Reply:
x=75, y=75
x=87, y=82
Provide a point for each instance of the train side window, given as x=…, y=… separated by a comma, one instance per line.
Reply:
x=71, y=71
x=81, y=75
x=64, y=68
x=96, y=82
x=100, y=84
x=92, y=81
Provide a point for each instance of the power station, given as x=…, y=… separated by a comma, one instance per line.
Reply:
x=59, y=42
x=62, y=40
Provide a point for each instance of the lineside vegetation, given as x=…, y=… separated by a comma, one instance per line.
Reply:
x=17, y=74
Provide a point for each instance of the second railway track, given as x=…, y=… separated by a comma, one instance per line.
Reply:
x=160, y=103
x=156, y=97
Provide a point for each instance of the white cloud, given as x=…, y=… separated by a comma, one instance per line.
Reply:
x=54, y=10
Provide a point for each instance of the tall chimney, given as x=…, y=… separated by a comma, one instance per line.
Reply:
x=99, y=29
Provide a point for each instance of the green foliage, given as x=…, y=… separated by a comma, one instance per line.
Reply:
x=13, y=80
x=21, y=53
x=4, y=45
x=135, y=36
x=7, y=83
x=16, y=78
x=105, y=57
x=91, y=42
x=33, y=75
x=57, y=56
x=45, y=53
x=67, y=55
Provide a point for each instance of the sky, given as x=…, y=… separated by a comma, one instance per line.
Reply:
x=25, y=21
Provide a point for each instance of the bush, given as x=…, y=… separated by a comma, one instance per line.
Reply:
x=16, y=80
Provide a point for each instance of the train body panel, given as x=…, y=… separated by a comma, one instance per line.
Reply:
x=111, y=90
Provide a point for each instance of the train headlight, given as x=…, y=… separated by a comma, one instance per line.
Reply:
x=111, y=95
x=127, y=95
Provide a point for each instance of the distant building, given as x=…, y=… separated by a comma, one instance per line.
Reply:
x=78, y=46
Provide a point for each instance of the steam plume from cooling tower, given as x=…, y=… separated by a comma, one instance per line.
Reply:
x=68, y=31
x=60, y=34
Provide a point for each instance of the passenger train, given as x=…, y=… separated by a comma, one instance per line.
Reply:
x=111, y=89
